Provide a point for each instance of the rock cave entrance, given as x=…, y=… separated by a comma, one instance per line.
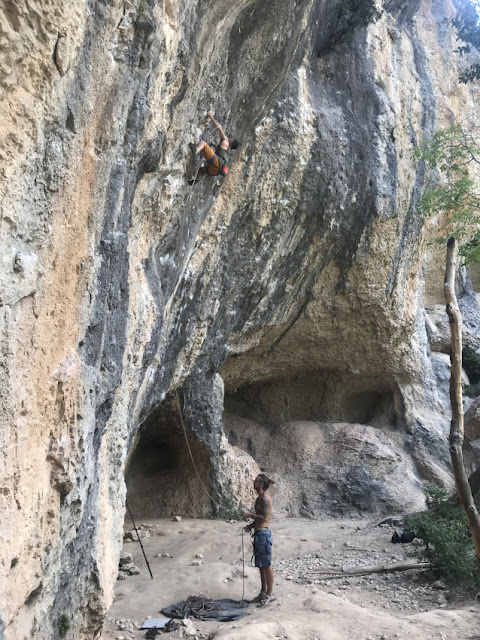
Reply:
x=328, y=437
x=160, y=477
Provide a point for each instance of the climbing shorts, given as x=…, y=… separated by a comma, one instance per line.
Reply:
x=262, y=548
x=213, y=169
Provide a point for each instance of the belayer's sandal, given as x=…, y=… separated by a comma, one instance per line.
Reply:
x=261, y=596
x=266, y=600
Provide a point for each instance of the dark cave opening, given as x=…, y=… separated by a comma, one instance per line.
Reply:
x=376, y=408
x=322, y=435
x=160, y=476
x=319, y=396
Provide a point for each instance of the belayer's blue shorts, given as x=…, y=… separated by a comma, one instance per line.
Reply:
x=262, y=548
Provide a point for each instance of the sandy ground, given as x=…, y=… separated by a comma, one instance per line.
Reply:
x=402, y=606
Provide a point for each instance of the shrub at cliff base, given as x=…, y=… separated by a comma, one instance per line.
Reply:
x=447, y=541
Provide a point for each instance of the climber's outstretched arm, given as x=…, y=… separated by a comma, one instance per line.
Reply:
x=217, y=126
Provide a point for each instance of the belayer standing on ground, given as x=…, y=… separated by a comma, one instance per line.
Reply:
x=262, y=538
x=218, y=159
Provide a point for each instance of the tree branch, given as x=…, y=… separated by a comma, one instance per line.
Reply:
x=464, y=493
x=363, y=571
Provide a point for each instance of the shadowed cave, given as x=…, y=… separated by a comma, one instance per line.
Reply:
x=160, y=477
x=318, y=397
x=327, y=437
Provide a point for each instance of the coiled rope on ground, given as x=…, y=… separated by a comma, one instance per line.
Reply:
x=199, y=605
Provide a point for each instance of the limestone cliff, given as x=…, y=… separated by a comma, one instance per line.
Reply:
x=275, y=313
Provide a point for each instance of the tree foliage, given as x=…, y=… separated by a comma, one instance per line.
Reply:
x=467, y=24
x=348, y=16
x=447, y=541
x=454, y=153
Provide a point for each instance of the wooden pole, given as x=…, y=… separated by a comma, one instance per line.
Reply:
x=464, y=492
x=365, y=571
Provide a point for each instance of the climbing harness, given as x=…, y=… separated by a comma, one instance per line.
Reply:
x=221, y=160
x=223, y=169
x=223, y=163
x=138, y=538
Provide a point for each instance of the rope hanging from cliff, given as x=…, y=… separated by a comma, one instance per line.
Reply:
x=190, y=452
x=204, y=488
x=243, y=566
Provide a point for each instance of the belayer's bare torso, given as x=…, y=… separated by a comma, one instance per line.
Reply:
x=263, y=507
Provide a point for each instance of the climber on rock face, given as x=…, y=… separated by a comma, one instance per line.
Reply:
x=218, y=159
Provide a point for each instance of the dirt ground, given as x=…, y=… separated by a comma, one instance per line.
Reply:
x=387, y=606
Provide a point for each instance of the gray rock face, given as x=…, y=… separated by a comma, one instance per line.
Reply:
x=437, y=325
x=472, y=421
x=332, y=469
x=132, y=305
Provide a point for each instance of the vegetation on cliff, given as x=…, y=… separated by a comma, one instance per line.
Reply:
x=347, y=16
x=453, y=153
x=467, y=24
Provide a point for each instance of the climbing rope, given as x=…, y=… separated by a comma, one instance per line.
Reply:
x=199, y=605
x=208, y=494
x=243, y=566
x=190, y=452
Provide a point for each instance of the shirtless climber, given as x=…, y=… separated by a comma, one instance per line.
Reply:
x=215, y=159
x=262, y=539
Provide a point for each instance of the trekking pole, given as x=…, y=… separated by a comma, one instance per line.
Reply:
x=138, y=537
